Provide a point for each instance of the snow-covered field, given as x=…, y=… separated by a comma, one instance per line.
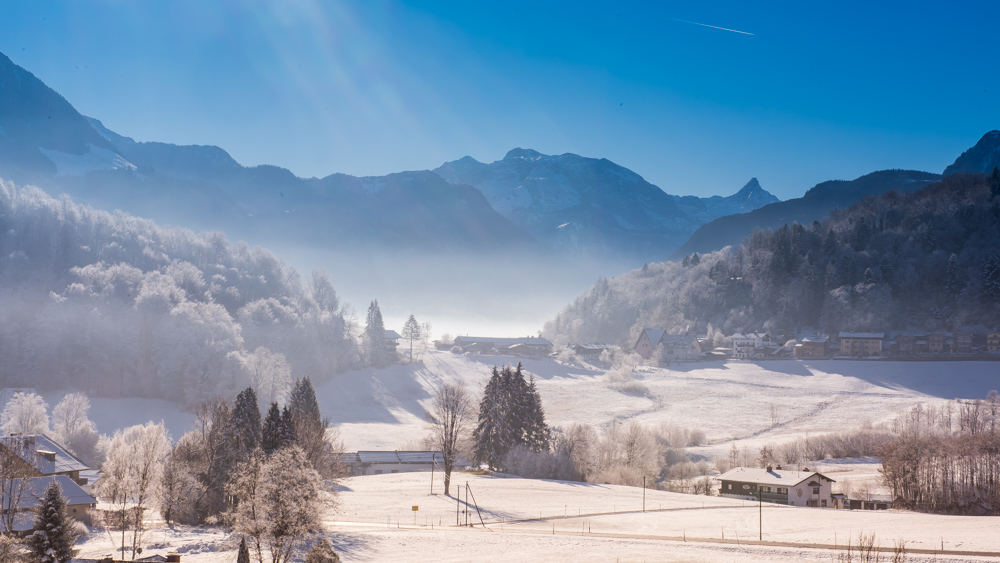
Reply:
x=384, y=409
x=571, y=522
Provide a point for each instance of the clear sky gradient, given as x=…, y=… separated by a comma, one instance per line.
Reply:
x=819, y=91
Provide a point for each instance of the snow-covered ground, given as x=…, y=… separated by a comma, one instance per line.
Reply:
x=384, y=409
x=571, y=522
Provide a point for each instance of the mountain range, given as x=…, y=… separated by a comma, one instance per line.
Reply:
x=565, y=209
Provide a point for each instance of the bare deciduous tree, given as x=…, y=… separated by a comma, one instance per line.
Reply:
x=17, y=464
x=451, y=416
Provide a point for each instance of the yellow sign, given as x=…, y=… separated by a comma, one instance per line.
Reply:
x=416, y=508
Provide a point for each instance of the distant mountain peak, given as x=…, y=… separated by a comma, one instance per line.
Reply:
x=526, y=154
x=983, y=157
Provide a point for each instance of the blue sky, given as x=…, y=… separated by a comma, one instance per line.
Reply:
x=819, y=91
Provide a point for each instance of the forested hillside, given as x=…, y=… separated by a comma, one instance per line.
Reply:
x=928, y=260
x=115, y=305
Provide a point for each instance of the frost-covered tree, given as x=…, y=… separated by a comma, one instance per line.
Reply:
x=411, y=332
x=322, y=552
x=131, y=476
x=278, y=431
x=53, y=534
x=17, y=465
x=179, y=491
x=270, y=374
x=11, y=550
x=450, y=417
x=374, y=350
x=510, y=415
x=25, y=413
x=280, y=501
x=72, y=427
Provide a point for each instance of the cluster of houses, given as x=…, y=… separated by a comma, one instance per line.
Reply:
x=875, y=344
x=531, y=346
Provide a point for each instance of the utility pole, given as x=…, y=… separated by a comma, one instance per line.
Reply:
x=644, y=493
x=433, y=458
x=760, y=514
x=458, y=503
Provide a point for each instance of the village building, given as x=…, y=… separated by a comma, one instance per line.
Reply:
x=384, y=462
x=648, y=339
x=392, y=340
x=816, y=347
x=906, y=345
x=993, y=342
x=861, y=344
x=751, y=346
x=679, y=348
x=78, y=502
x=937, y=343
x=45, y=457
x=592, y=352
x=527, y=346
x=963, y=343
x=779, y=486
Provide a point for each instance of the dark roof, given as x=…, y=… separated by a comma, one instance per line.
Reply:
x=64, y=462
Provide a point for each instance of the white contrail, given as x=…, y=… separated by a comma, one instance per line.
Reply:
x=713, y=26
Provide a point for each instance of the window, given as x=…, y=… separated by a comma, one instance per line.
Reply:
x=783, y=490
x=765, y=489
x=730, y=486
x=815, y=490
x=822, y=503
x=746, y=487
x=394, y=471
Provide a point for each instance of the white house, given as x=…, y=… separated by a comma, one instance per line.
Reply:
x=750, y=346
x=676, y=347
x=779, y=486
x=382, y=462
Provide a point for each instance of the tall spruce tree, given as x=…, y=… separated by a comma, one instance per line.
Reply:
x=375, y=351
x=310, y=426
x=53, y=535
x=537, y=434
x=288, y=436
x=492, y=435
x=244, y=428
x=411, y=331
x=272, y=434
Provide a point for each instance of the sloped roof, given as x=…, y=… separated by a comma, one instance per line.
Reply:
x=778, y=477
x=65, y=462
x=400, y=457
x=878, y=335
x=679, y=339
x=595, y=347
x=392, y=334
x=816, y=339
x=534, y=341
x=35, y=491
x=654, y=335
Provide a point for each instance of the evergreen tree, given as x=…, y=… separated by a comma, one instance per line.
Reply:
x=995, y=181
x=537, y=433
x=953, y=284
x=272, y=434
x=374, y=349
x=53, y=535
x=411, y=331
x=309, y=425
x=244, y=553
x=244, y=428
x=287, y=429
x=492, y=435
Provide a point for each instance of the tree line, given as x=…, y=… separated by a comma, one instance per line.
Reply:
x=925, y=259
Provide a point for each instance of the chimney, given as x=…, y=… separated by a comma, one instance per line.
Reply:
x=769, y=468
x=173, y=558
x=778, y=468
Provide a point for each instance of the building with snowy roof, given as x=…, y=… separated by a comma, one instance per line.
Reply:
x=529, y=345
x=78, y=501
x=382, y=462
x=45, y=456
x=779, y=486
x=751, y=346
x=675, y=347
